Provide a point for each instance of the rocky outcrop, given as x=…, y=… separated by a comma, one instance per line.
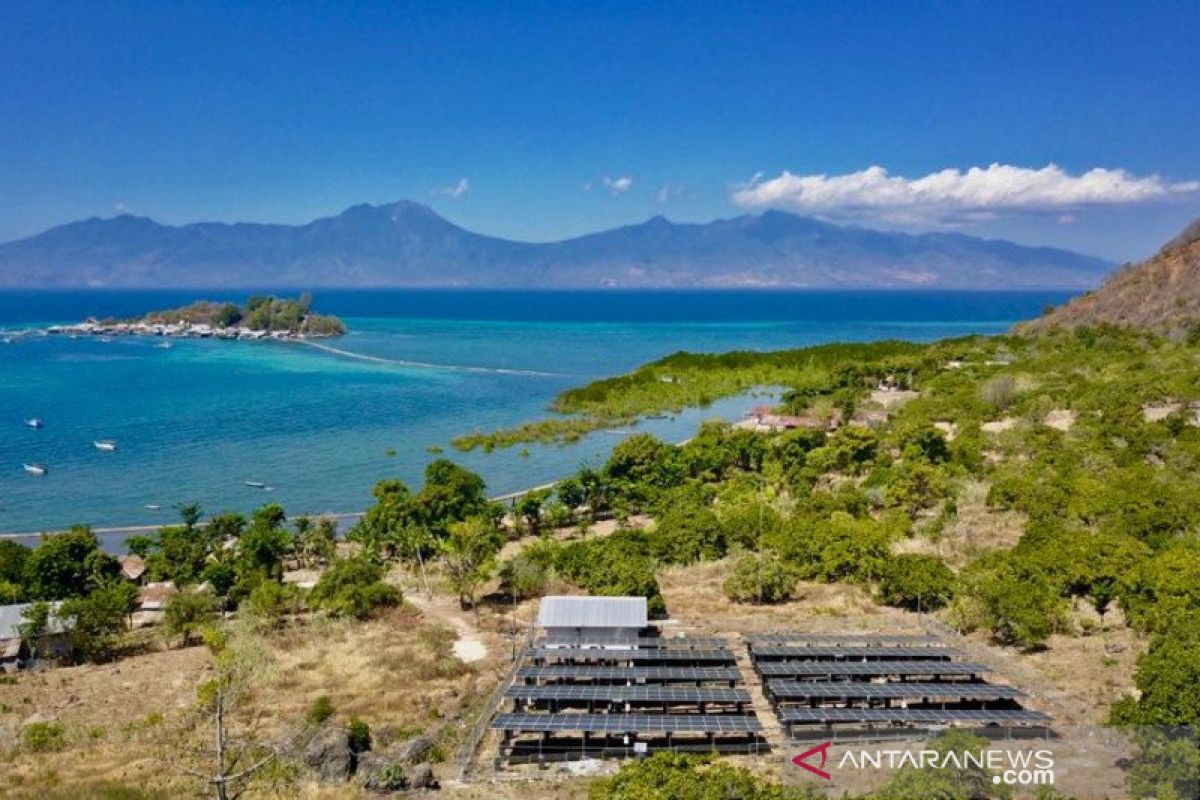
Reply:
x=329, y=753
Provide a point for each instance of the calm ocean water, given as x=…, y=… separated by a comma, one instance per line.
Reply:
x=195, y=421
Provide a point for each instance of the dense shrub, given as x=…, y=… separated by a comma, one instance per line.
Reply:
x=353, y=587
x=760, y=578
x=916, y=582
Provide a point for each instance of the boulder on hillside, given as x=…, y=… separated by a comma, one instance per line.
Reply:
x=329, y=753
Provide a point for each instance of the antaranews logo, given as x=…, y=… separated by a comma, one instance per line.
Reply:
x=1012, y=767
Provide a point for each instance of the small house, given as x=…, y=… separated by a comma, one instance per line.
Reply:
x=606, y=622
x=14, y=649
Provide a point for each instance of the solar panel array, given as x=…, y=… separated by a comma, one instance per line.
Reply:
x=628, y=723
x=720, y=656
x=862, y=690
x=931, y=716
x=573, y=672
x=880, y=653
x=868, y=669
x=846, y=639
x=825, y=680
x=676, y=671
x=619, y=694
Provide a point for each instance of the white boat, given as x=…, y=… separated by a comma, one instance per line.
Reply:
x=153, y=507
x=36, y=469
x=107, y=445
x=256, y=484
x=33, y=422
x=164, y=345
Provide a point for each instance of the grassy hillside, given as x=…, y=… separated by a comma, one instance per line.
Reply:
x=1161, y=294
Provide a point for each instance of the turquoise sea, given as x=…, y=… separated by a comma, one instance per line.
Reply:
x=316, y=424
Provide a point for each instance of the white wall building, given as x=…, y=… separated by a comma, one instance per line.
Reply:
x=573, y=621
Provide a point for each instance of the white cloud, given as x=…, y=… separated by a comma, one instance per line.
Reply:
x=619, y=185
x=953, y=195
x=667, y=192
x=456, y=190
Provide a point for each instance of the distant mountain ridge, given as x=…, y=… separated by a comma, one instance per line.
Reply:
x=1161, y=294
x=406, y=244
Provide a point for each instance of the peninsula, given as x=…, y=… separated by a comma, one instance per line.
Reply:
x=261, y=317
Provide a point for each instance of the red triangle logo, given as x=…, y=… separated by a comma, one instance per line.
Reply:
x=801, y=760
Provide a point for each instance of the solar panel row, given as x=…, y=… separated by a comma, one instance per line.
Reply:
x=627, y=723
x=845, y=690
x=654, y=694
x=646, y=655
x=661, y=674
x=801, y=652
x=846, y=639
x=868, y=668
x=930, y=716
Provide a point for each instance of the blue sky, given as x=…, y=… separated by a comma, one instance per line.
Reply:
x=540, y=121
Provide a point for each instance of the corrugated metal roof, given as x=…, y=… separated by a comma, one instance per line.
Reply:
x=592, y=612
x=11, y=617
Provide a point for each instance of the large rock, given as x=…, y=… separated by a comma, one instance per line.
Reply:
x=414, y=750
x=422, y=777
x=382, y=774
x=329, y=753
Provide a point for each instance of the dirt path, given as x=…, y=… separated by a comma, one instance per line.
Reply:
x=470, y=646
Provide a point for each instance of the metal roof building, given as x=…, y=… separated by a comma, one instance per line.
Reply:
x=592, y=621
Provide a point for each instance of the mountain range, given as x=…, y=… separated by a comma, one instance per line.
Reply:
x=406, y=244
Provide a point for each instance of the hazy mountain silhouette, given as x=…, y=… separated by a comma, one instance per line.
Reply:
x=408, y=244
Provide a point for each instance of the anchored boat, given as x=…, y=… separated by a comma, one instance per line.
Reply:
x=107, y=445
x=36, y=469
x=33, y=422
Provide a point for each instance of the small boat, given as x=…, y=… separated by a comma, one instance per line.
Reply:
x=255, y=484
x=153, y=507
x=106, y=339
x=164, y=345
x=36, y=469
x=107, y=445
x=33, y=422
x=656, y=416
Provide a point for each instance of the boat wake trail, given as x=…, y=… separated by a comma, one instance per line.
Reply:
x=397, y=362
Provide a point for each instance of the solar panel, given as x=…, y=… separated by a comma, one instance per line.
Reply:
x=628, y=723
x=684, y=642
x=649, y=654
x=661, y=674
x=617, y=694
x=672, y=642
x=846, y=639
x=845, y=690
x=868, y=668
x=930, y=716
x=802, y=652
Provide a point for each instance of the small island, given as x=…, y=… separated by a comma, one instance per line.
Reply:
x=262, y=317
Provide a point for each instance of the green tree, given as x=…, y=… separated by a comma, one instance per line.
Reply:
x=916, y=582
x=469, y=556
x=528, y=510
x=353, y=587
x=686, y=534
x=570, y=492
x=13, y=556
x=451, y=494
x=67, y=565
x=187, y=613
x=95, y=622
x=524, y=576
